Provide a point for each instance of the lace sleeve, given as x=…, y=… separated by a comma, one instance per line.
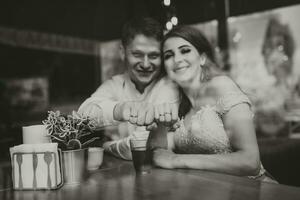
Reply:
x=119, y=148
x=226, y=102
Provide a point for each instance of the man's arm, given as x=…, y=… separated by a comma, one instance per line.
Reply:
x=101, y=104
x=107, y=108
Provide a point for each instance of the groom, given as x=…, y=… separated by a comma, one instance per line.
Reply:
x=140, y=95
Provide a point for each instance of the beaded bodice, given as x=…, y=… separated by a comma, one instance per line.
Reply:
x=205, y=132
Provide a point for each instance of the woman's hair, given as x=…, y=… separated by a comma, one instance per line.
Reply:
x=195, y=37
x=201, y=43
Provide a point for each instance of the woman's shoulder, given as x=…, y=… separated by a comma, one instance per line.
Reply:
x=223, y=85
x=227, y=94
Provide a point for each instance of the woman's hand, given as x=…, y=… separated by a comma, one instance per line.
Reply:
x=166, y=113
x=164, y=158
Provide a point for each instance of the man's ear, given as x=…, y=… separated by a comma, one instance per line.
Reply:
x=122, y=52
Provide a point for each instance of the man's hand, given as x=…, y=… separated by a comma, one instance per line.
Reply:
x=139, y=113
x=146, y=114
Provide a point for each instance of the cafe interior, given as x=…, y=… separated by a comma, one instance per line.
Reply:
x=55, y=54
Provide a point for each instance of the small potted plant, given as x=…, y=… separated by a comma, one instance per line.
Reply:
x=70, y=132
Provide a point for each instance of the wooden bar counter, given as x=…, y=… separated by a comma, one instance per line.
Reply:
x=116, y=179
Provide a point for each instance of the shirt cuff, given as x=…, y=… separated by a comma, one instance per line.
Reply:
x=119, y=148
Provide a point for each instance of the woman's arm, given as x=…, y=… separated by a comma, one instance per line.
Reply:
x=243, y=161
x=161, y=138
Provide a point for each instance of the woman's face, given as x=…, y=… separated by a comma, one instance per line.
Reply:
x=182, y=61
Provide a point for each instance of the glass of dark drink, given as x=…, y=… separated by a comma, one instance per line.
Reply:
x=140, y=156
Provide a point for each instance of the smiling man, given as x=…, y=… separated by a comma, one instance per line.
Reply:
x=143, y=60
x=136, y=97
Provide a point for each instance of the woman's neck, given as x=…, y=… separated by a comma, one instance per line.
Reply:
x=195, y=92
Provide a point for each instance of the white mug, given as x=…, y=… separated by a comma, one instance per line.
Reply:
x=95, y=158
x=35, y=134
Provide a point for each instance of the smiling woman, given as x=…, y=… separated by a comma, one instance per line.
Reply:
x=182, y=61
x=216, y=130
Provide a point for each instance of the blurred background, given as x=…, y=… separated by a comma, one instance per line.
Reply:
x=54, y=54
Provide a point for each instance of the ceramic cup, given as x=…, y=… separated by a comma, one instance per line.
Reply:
x=35, y=134
x=95, y=158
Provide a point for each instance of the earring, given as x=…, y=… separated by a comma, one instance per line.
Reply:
x=202, y=60
x=205, y=76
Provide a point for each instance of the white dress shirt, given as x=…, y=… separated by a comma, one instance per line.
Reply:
x=120, y=89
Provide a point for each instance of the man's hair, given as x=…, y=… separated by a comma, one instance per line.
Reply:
x=146, y=26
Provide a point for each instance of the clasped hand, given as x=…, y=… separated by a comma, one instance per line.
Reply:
x=146, y=114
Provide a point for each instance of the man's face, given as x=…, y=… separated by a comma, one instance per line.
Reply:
x=143, y=60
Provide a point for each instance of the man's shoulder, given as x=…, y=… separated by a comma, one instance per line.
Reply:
x=166, y=81
x=112, y=84
x=165, y=90
x=116, y=79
